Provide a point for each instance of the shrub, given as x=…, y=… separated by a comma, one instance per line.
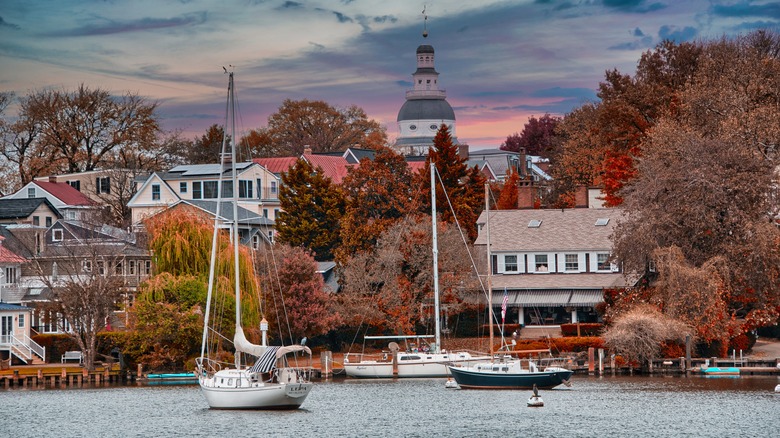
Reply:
x=742, y=342
x=571, y=345
x=585, y=329
x=672, y=349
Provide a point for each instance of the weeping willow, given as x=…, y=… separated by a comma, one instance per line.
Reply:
x=180, y=240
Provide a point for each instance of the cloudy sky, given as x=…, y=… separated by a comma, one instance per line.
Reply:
x=499, y=61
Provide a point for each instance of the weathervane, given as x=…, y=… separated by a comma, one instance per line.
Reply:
x=425, y=23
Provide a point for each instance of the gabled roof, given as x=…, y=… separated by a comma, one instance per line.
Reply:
x=12, y=307
x=154, y=177
x=23, y=208
x=276, y=165
x=7, y=256
x=572, y=229
x=354, y=155
x=334, y=168
x=226, y=212
x=65, y=193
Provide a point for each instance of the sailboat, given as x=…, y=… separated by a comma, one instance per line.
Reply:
x=264, y=384
x=428, y=362
x=503, y=371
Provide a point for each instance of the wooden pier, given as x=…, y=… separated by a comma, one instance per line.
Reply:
x=60, y=375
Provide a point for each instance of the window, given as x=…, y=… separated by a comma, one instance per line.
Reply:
x=155, y=192
x=273, y=187
x=131, y=267
x=265, y=213
x=101, y=268
x=259, y=187
x=86, y=265
x=197, y=190
x=71, y=215
x=602, y=260
x=56, y=235
x=572, y=262
x=227, y=189
x=210, y=190
x=245, y=189
x=103, y=185
x=119, y=268
x=148, y=267
x=534, y=223
x=54, y=271
x=271, y=236
x=412, y=127
x=75, y=184
x=434, y=128
x=21, y=320
x=510, y=263
x=602, y=222
x=36, y=220
x=10, y=275
x=256, y=241
x=48, y=221
x=540, y=263
x=183, y=187
x=30, y=192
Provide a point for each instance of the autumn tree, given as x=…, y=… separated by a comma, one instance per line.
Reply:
x=166, y=322
x=391, y=287
x=304, y=304
x=312, y=207
x=460, y=186
x=81, y=130
x=639, y=333
x=508, y=197
x=536, y=138
x=314, y=123
x=377, y=194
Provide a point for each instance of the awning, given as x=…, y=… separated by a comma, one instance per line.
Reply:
x=549, y=298
x=586, y=298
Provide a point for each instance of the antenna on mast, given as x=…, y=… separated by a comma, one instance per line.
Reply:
x=425, y=23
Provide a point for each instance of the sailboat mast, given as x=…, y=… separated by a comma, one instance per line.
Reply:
x=234, y=224
x=435, y=245
x=489, y=263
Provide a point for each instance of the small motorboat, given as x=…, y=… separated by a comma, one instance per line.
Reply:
x=450, y=383
x=535, y=401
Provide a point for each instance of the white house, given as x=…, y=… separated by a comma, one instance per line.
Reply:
x=258, y=189
x=553, y=265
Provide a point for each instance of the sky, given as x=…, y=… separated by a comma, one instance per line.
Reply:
x=500, y=62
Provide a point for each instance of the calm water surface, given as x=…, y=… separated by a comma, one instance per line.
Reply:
x=610, y=406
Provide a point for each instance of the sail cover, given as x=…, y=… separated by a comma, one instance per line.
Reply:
x=243, y=345
x=266, y=362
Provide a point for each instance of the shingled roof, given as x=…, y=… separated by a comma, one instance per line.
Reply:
x=23, y=208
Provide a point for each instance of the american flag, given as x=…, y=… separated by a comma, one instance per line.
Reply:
x=503, y=306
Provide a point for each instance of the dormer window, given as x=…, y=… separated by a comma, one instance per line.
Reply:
x=56, y=235
x=30, y=192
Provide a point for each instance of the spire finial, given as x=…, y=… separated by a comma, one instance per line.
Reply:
x=425, y=23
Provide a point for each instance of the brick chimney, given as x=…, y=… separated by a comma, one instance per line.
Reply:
x=525, y=196
x=52, y=179
x=463, y=151
x=581, y=197
x=307, y=150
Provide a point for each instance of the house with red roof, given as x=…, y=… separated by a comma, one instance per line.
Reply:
x=71, y=203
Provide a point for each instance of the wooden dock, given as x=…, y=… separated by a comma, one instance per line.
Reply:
x=60, y=375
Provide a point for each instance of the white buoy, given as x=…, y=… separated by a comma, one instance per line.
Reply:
x=451, y=383
x=535, y=401
x=777, y=388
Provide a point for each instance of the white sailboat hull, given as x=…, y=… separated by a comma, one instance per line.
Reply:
x=410, y=365
x=235, y=389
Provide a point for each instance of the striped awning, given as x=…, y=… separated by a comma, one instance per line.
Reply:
x=548, y=298
x=266, y=362
x=586, y=298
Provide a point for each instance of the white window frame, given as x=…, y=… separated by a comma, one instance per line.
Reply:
x=21, y=320
x=571, y=265
x=511, y=266
x=156, y=192
x=86, y=265
x=57, y=235
x=538, y=263
x=602, y=261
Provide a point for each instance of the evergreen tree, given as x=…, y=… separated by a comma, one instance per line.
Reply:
x=312, y=207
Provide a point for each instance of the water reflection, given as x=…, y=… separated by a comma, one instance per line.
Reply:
x=593, y=406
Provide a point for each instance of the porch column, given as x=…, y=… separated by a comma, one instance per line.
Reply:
x=521, y=315
x=574, y=316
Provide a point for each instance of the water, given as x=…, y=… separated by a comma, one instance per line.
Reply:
x=610, y=406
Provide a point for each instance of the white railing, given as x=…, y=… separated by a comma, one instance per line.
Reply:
x=23, y=348
x=35, y=347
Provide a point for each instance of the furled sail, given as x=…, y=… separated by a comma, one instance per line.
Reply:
x=243, y=345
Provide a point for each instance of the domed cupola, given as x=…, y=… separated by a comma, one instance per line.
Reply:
x=425, y=109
